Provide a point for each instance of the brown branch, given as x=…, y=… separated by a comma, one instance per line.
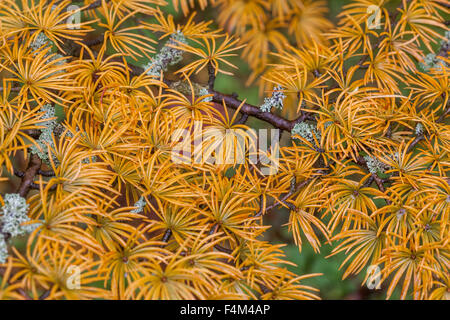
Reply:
x=416, y=141
x=263, y=288
x=251, y=110
x=362, y=162
x=18, y=173
x=223, y=249
x=380, y=186
x=211, y=76
x=217, y=246
x=94, y=41
x=95, y=5
x=46, y=173
x=243, y=119
x=34, y=133
x=27, y=180
x=379, y=183
x=36, y=186
x=369, y=181
x=167, y=235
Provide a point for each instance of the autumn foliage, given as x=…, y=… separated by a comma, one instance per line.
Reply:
x=96, y=100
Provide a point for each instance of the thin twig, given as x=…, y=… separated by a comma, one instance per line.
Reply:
x=46, y=173
x=416, y=141
x=243, y=119
x=95, y=5
x=27, y=180
x=167, y=235
x=275, y=120
x=211, y=76
x=362, y=162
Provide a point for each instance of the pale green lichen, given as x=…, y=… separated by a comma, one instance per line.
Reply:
x=14, y=216
x=3, y=249
x=167, y=55
x=419, y=129
x=41, y=41
x=59, y=130
x=435, y=61
x=374, y=165
x=274, y=101
x=446, y=41
x=432, y=61
x=140, y=205
x=306, y=131
x=46, y=136
x=204, y=92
